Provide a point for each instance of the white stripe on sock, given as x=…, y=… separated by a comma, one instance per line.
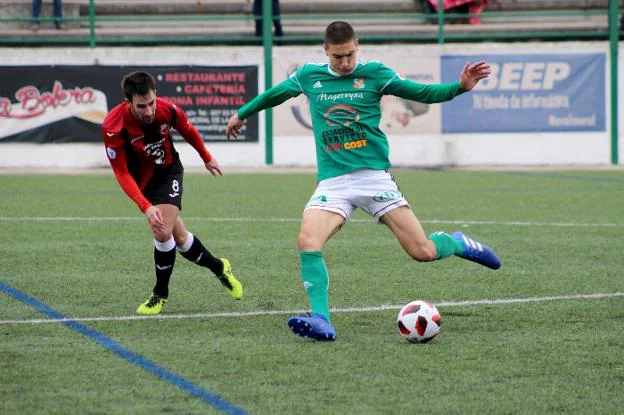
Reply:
x=165, y=246
x=187, y=245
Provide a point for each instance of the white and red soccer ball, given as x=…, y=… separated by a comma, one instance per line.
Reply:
x=419, y=321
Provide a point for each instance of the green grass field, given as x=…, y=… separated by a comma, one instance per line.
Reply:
x=76, y=244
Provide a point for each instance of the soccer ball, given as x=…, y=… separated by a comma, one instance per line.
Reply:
x=419, y=321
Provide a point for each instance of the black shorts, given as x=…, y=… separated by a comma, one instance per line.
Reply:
x=165, y=187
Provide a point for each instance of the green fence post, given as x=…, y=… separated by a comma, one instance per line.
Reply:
x=613, y=49
x=91, y=24
x=440, y=21
x=267, y=43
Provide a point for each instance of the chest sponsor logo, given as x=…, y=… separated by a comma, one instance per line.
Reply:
x=386, y=196
x=156, y=151
x=341, y=116
x=322, y=97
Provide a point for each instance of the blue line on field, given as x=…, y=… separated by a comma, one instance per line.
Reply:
x=569, y=177
x=209, y=398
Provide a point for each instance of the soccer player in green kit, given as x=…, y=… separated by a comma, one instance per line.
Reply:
x=352, y=157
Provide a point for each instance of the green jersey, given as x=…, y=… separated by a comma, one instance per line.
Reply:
x=346, y=111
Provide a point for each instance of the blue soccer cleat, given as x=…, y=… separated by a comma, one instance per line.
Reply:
x=316, y=327
x=477, y=252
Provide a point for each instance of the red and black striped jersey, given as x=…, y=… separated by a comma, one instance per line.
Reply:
x=137, y=150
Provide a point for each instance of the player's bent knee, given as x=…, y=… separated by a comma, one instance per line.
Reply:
x=302, y=242
x=306, y=243
x=162, y=236
x=179, y=240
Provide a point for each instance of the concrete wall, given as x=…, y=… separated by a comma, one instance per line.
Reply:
x=429, y=150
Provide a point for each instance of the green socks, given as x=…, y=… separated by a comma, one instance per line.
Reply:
x=316, y=278
x=446, y=245
x=316, y=281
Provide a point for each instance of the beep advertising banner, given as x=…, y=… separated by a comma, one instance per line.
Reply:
x=59, y=104
x=529, y=93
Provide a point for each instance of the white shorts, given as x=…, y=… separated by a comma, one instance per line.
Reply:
x=373, y=191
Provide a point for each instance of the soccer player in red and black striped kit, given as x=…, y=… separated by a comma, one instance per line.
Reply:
x=138, y=143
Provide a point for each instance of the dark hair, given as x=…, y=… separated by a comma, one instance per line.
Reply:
x=338, y=33
x=137, y=83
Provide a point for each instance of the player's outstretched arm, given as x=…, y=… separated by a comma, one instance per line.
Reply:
x=233, y=127
x=213, y=167
x=470, y=75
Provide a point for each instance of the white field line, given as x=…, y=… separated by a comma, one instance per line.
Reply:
x=243, y=219
x=440, y=304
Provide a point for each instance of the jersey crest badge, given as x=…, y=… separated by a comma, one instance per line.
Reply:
x=112, y=154
x=358, y=83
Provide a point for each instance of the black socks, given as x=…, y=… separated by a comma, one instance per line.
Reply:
x=164, y=259
x=196, y=252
